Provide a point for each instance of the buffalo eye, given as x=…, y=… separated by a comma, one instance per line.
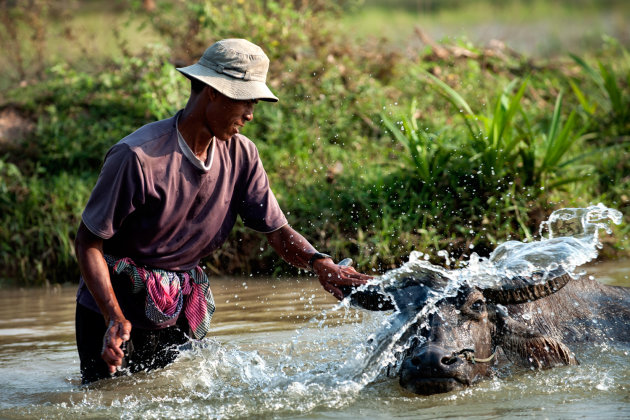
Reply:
x=478, y=305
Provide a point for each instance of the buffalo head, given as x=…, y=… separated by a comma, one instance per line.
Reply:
x=461, y=339
x=457, y=342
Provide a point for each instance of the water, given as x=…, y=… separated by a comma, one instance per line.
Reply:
x=283, y=348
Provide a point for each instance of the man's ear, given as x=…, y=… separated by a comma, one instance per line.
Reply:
x=211, y=92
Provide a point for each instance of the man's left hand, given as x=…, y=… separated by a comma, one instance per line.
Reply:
x=331, y=276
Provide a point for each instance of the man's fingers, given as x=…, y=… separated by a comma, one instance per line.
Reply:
x=117, y=333
x=354, y=274
x=112, y=356
x=117, y=351
x=112, y=351
x=333, y=276
x=348, y=282
x=124, y=331
x=330, y=288
x=348, y=279
x=111, y=359
x=344, y=281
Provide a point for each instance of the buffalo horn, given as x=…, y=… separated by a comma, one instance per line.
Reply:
x=524, y=289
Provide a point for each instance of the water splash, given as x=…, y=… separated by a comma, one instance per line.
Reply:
x=374, y=346
x=572, y=241
x=385, y=346
x=319, y=368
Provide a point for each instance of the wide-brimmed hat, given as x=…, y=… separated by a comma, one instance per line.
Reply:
x=236, y=68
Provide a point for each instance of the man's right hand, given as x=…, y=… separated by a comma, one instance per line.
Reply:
x=89, y=251
x=117, y=333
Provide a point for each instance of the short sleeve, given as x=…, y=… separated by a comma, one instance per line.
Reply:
x=259, y=208
x=118, y=192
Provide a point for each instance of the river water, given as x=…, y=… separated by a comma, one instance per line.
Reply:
x=281, y=348
x=277, y=349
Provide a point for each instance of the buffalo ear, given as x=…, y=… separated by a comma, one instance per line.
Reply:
x=527, y=347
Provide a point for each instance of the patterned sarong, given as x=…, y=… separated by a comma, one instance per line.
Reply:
x=169, y=291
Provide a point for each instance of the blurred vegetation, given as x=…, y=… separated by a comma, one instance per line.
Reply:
x=372, y=151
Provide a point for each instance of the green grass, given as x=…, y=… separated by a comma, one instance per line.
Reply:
x=536, y=28
x=86, y=37
x=372, y=152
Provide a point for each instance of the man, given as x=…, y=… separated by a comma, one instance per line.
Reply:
x=167, y=196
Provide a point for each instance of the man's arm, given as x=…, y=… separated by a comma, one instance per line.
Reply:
x=296, y=250
x=89, y=251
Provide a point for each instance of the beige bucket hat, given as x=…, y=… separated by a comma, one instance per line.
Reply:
x=236, y=68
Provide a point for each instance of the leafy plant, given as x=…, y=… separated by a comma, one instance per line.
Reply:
x=38, y=219
x=493, y=137
x=427, y=153
x=613, y=98
x=546, y=154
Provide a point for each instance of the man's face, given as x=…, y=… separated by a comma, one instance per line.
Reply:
x=226, y=116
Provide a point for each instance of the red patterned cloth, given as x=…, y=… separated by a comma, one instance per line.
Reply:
x=170, y=291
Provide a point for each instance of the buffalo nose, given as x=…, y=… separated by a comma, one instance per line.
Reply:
x=445, y=360
x=435, y=359
x=449, y=360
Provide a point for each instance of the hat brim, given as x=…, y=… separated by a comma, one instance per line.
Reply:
x=231, y=87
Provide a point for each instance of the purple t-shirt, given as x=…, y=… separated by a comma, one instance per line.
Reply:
x=152, y=204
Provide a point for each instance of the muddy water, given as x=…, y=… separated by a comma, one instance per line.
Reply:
x=278, y=348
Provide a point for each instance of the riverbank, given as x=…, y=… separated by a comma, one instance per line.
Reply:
x=372, y=152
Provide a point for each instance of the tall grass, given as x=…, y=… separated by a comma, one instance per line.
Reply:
x=505, y=149
x=546, y=155
x=612, y=100
x=39, y=216
x=428, y=153
x=493, y=138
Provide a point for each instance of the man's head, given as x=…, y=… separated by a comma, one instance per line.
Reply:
x=225, y=116
x=234, y=67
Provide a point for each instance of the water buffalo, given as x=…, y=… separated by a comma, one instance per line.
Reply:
x=531, y=321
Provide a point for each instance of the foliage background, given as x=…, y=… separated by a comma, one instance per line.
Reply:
x=383, y=141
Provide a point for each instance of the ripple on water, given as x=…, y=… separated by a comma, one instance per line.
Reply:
x=221, y=380
x=296, y=368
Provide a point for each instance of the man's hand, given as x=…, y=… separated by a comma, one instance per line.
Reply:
x=296, y=250
x=89, y=251
x=331, y=276
x=117, y=333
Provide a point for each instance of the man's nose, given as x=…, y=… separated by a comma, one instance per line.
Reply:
x=248, y=115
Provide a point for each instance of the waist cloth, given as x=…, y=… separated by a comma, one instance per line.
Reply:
x=167, y=292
